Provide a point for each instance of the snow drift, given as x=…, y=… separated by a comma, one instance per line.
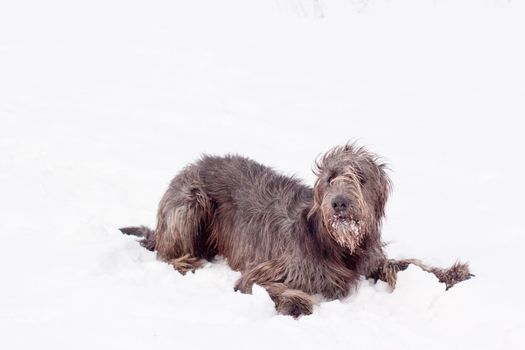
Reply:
x=102, y=102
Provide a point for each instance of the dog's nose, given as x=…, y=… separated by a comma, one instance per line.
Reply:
x=340, y=203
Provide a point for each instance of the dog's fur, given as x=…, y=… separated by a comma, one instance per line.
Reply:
x=292, y=240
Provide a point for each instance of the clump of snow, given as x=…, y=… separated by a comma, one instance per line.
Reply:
x=102, y=102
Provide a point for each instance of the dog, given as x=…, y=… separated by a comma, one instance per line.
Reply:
x=295, y=241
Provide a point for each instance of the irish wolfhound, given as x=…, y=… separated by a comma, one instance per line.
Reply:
x=293, y=240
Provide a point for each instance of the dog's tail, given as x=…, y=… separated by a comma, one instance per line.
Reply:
x=147, y=235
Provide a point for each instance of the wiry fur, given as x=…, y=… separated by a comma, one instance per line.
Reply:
x=293, y=240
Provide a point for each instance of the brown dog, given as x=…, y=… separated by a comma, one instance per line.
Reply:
x=292, y=240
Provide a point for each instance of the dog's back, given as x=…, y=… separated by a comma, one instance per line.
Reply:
x=235, y=207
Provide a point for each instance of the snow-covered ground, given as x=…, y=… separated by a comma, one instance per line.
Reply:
x=103, y=101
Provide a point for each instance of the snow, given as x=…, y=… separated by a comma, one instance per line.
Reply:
x=102, y=102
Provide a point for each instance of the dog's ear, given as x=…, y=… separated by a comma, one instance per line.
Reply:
x=317, y=198
x=383, y=187
x=372, y=173
x=320, y=164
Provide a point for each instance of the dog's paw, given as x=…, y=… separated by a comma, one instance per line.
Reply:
x=458, y=272
x=294, y=303
x=186, y=263
x=243, y=286
x=388, y=272
x=399, y=265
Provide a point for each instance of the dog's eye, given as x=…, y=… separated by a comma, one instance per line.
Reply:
x=330, y=179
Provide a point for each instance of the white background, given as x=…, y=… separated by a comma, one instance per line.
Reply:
x=103, y=101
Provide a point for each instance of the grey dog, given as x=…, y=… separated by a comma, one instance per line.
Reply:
x=291, y=239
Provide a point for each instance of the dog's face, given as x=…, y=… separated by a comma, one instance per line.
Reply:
x=350, y=192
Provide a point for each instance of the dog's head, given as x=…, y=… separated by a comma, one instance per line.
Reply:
x=350, y=192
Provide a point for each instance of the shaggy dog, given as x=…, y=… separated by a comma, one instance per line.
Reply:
x=293, y=240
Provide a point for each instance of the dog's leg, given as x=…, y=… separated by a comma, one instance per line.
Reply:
x=377, y=266
x=182, y=219
x=186, y=263
x=387, y=271
x=270, y=275
x=450, y=276
x=270, y=271
x=292, y=302
x=456, y=273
